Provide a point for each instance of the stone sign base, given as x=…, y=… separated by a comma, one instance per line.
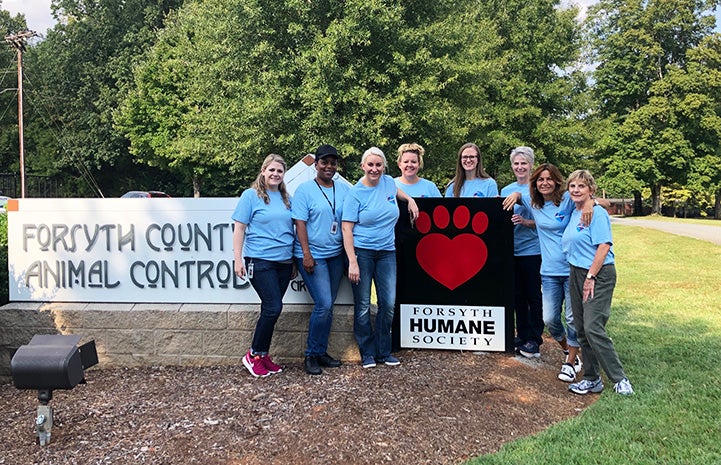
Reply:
x=168, y=334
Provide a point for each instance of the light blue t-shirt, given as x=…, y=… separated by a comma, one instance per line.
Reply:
x=423, y=188
x=525, y=240
x=374, y=211
x=581, y=242
x=315, y=205
x=551, y=221
x=269, y=232
x=479, y=187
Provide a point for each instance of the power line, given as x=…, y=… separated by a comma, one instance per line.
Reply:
x=54, y=127
x=17, y=41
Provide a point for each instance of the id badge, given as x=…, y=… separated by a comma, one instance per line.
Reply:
x=334, y=227
x=250, y=270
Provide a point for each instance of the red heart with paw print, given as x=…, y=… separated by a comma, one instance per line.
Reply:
x=451, y=262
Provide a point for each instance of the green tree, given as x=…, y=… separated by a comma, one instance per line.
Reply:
x=70, y=128
x=643, y=49
x=231, y=80
x=9, y=141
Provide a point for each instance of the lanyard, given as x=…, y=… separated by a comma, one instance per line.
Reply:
x=332, y=205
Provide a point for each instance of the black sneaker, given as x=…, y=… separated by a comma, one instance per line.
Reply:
x=327, y=361
x=530, y=350
x=311, y=366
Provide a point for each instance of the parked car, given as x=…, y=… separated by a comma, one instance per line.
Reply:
x=143, y=194
x=3, y=203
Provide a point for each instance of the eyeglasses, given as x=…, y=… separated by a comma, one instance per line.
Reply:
x=469, y=157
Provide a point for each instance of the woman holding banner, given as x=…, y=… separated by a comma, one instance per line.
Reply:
x=370, y=212
x=262, y=250
x=526, y=259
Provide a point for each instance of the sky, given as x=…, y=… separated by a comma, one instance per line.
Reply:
x=37, y=13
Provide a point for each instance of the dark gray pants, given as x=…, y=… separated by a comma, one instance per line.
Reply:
x=590, y=319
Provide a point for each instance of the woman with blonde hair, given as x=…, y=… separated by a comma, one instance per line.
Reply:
x=262, y=249
x=370, y=212
x=410, y=162
x=589, y=248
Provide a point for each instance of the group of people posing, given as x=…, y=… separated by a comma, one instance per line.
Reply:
x=561, y=243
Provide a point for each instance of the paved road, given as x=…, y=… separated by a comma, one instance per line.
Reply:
x=711, y=233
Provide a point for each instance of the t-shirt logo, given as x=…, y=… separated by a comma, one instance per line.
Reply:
x=391, y=199
x=478, y=194
x=559, y=217
x=580, y=227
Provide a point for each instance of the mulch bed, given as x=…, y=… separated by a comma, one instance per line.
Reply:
x=438, y=407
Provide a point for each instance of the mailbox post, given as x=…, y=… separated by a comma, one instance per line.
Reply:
x=50, y=362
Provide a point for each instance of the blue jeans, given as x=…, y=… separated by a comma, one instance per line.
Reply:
x=555, y=291
x=322, y=286
x=377, y=266
x=270, y=281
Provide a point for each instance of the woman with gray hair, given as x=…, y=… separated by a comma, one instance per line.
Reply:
x=589, y=248
x=527, y=260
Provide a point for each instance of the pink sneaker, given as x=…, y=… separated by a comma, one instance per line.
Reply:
x=269, y=365
x=255, y=365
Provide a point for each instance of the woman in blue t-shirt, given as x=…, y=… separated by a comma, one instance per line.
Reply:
x=410, y=162
x=470, y=179
x=370, y=212
x=526, y=260
x=589, y=248
x=318, y=252
x=262, y=250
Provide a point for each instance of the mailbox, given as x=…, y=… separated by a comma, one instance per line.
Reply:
x=48, y=362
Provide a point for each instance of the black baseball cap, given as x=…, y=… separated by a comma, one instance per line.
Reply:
x=326, y=150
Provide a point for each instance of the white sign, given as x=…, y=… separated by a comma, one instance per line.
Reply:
x=130, y=250
x=452, y=327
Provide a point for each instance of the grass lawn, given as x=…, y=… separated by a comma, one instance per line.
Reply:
x=666, y=325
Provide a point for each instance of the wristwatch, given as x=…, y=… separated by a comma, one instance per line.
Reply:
x=591, y=276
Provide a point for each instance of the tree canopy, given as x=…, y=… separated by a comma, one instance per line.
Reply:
x=659, y=95
x=188, y=96
x=229, y=81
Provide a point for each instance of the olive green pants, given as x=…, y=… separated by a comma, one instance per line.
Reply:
x=590, y=319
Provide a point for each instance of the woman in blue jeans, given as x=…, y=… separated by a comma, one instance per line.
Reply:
x=370, y=212
x=318, y=251
x=551, y=210
x=262, y=250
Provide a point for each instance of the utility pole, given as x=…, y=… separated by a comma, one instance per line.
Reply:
x=17, y=41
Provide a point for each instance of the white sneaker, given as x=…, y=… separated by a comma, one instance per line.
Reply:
x=567, y=374
x=585, y=386
x=623, y=387
x=577, y=364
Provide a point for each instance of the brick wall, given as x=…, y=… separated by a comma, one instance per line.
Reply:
x=168, y=334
